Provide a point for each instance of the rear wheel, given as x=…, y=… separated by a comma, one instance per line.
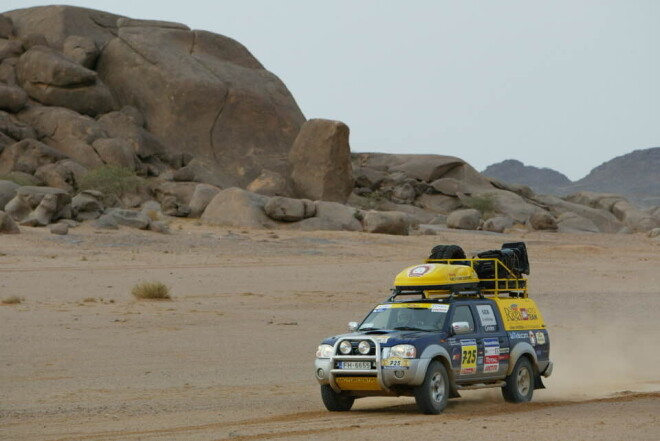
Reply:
x=519, y=386
x=431, y=396
x=447, y=252
x=335, y=402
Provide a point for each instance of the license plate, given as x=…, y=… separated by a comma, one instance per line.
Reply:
x=354, y=365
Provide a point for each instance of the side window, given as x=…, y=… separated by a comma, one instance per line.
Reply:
x=463, y=314
x=487, y=318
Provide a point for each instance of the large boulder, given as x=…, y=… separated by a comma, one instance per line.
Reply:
x=270, y=183
x=288, y=209
x=15, y=129
x=116, y=151
x=633, y=217
x=7, y=224
x=497, y=224
x=55, y=80
x=466, y=219
x=27, y=156
x=126, y=124
x=39, y=206
x=543, y=220
x=130, y=218
x=321, y=161
x=87, y=205
x=237, y=208
x=501, y=202
x=239, y=118
x=571, y=222
x=330, y=216
x=439, y=203
x=201, y=197
x=388, y=222
x=82, y=50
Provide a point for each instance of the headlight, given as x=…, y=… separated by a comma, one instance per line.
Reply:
x=403, y=351
x=324, y=351
x=364, y=347
x=345, y=347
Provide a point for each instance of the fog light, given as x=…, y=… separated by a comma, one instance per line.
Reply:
x=399, y=374
x=345, y=347
x=364, y=347
x=320, y=374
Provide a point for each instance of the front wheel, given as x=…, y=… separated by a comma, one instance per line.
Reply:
x=335, y=402
x=519, y=386
x=431, y=396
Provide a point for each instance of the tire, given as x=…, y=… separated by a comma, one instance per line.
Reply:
x=431, y=396
x=519, y=386
x=447, y=252
x=335, y=402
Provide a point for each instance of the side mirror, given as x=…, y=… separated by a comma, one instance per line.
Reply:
x=352, y=326
x=459, y=328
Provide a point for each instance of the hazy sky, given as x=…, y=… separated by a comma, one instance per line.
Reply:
x=565, y=84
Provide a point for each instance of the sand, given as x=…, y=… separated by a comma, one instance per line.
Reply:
x=231, y=356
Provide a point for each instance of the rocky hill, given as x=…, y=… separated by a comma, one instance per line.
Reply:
x=541, y=180
x=126, y=122
x=635, y=175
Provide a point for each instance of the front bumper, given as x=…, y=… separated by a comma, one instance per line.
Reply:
x=380, y=378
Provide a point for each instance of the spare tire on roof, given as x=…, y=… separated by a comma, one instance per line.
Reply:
x=447, y=252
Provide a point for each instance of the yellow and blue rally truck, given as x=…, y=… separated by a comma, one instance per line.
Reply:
x=451, y=324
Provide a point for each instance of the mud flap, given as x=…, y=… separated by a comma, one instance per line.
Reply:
x=538, y=383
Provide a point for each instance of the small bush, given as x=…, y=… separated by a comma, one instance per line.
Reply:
x=485, y=203
x=111, y=180
x=151, y=290
x=12, y=300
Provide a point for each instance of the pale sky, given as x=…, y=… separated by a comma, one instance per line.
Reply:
x=565, y=84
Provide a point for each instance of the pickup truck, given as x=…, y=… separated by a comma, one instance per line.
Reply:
x=451, y=324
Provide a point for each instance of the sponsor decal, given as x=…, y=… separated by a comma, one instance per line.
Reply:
x=395, y=363
x=487, y=316
x=515, y=314
x=491, y=355
x=455, y=355
x=532, y=338
x=468, y=357
x=439, y=308
x=540, y=338
x=518, y=335
x=504, y=350
x=419, y=271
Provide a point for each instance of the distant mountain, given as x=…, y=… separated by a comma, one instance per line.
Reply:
x=635, y=175
x=541, y=180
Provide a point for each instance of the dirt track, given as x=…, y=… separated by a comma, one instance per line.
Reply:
x=231, y=356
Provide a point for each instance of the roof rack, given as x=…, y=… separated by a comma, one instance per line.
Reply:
x=491, y=277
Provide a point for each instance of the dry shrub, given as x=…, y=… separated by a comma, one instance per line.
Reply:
x=12, y=300
x=151, y=290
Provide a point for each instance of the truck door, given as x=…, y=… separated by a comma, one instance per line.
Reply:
x=466, y=345
x=493, y=342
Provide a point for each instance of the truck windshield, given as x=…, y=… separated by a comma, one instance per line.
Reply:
x=406, y=316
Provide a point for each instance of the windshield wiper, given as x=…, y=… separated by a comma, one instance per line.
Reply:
x=370, y=329
x=409, y=328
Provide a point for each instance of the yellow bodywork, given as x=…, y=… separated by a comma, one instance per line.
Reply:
x=519, y=314
x=436, y=274
x=358, y=383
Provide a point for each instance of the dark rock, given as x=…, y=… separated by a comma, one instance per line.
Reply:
x=320, y=159
x=7, y=224
x=87, y=205
x=106, y=222
x=14, y=128
x=82, y=50
x=56, y=175
x=12, y=98
x=8, y=71
x=466, y=219
x=27, y=156
x=388, y=222
x=330, y=216
x=404, y=193
x=184, y=174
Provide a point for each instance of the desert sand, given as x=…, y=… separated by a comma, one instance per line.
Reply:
x=231, y=355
